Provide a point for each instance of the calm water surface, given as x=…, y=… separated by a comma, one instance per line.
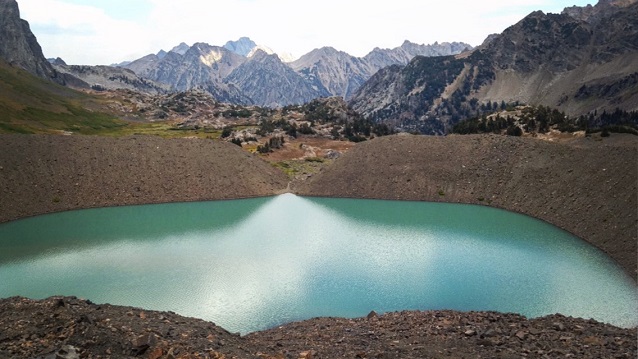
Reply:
x=252, y=264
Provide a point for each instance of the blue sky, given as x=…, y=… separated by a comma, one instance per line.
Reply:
x=109, y=31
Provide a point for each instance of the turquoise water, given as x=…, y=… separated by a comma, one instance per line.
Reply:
x=253, y=264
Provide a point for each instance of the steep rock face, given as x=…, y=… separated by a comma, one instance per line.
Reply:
x=547, y=40
x=269, y=82
x=379, y=94
x=201, y=67
x=333, y=72
x=575, y=62
x=342, y=74
x=562, y=61
x=18, y=45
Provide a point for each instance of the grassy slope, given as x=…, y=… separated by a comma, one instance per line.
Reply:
x=29, y=104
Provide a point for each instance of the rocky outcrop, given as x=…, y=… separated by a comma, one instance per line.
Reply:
x=545, y=59
x=68, y=327
x=18, y=45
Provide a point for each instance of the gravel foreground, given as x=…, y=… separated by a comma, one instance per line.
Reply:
x=67, y=327
x=587, y=186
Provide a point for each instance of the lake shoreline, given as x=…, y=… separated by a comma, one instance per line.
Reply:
x=42, y=174
x=313, y=257
x=565, y=184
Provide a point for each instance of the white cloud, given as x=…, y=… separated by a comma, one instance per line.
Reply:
x=91, y=36
x=81, y=34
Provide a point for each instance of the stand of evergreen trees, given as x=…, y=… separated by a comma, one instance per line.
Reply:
x=540, y=119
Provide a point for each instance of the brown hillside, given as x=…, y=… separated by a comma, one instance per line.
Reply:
x=586, y=186
x=48, y=173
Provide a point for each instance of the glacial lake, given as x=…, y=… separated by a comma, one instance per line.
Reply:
x=252, y=264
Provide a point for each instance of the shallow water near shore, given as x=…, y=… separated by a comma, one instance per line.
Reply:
x=251, y=264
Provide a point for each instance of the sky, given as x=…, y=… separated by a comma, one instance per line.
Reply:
x=103, y=32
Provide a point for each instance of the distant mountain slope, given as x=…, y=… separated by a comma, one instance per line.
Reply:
x=202, y=66
x=324, y=72
x=582, y=60
x=334, y=72
x=110, y=78
x=380, y=58
x=269, y=82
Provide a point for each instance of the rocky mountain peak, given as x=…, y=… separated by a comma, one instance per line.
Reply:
x=58, y=61
x=619, y=3
x=261, y=55
x=261, y=48
x=18, y=46
x=316, y=55
x=181, y=49
x=243, y=46
x=592, y=14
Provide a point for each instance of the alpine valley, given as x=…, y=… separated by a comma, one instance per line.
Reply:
x=580, y=62
x=541, y=120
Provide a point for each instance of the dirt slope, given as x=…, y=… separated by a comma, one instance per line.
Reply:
x=586, y=186
x=42, y=173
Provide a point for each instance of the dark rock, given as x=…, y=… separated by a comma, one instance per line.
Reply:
x=489, y=333
x=485, y=342
x=558, y=326
x=18, y=45
x=58, y=303
x=142, y=343
x=85, y=319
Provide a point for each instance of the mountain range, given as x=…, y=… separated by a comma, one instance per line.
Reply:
x=245, y=73
x=582, y=60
